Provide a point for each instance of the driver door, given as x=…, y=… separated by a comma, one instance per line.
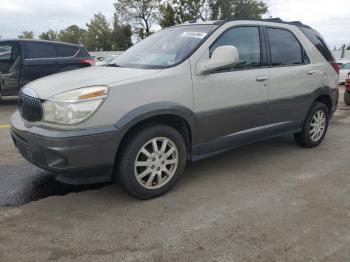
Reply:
x=231, y=103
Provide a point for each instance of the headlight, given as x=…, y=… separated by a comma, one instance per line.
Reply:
x=74, y=106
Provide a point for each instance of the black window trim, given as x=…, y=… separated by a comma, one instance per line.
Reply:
x=263, y=50
x=268, y=48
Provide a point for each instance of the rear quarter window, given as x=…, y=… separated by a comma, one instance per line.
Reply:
x=66, y=51
x=39, y=50
x=83, y=53
x=318, y=41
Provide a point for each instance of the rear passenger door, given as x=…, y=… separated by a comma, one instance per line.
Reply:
x=292, y=80
x=39, y=61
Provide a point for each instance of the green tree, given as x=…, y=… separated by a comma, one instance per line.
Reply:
x=167, y=15
x=49, y=35
x=239, y=9
x=26, y=35
x=140, y=13
x=99, y=34
x=121, y=35
x=180, y=11
x=72, y=34
x=348, y=48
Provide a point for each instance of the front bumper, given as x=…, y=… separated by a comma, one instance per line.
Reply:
x=77, y=157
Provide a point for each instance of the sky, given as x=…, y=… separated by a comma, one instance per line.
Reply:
x=330, y=18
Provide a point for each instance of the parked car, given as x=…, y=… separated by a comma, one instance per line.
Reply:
x=22, y=61
x=344, y=71
x=185, y=93
x=106, y=60
x=347, y=90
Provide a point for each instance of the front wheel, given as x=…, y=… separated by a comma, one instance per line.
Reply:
x=315, y=126
x=151, y=161
x=347, y=98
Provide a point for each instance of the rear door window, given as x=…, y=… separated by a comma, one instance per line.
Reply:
x=285, y=48
x=66, y=51
x=247, y=41
x=40, y=50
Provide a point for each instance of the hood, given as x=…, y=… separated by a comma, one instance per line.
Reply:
x=91, y=76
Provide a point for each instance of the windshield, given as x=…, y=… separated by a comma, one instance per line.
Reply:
x=165, y=48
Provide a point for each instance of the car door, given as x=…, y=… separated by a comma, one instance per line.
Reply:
x=293, y=79
x=40, y=61
x=231, y=103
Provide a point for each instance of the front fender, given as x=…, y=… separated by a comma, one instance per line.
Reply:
x=158, y=109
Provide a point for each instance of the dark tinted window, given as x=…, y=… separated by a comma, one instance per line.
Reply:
x=5, y=52
x=40, y=50
x=83, y=53
x=247, y=41
x=285, y=48
x=318, y=42
x=66, y=51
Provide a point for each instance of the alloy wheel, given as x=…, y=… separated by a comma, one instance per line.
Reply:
x=318, y=126
x=156, y=163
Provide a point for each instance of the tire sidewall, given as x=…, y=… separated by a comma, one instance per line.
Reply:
x=126, y=171
x=307, y=126
x=347, y=97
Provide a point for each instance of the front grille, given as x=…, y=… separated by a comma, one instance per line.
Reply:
x=30, y=108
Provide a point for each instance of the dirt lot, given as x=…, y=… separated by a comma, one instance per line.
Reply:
x=272, y=201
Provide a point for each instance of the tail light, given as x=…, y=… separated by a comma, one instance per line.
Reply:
x=347, y=82
x=336, y=67
x=91, y=61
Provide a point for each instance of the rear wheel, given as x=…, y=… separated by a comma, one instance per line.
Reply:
x=315, y=126
x=347, y=98
x=151, y=161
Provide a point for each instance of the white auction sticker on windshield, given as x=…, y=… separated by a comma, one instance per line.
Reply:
x=199, y=35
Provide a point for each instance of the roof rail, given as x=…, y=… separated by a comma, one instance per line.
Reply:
x=272, y=20
x=279, y=20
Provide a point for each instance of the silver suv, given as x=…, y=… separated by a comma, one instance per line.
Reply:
x=185, y=93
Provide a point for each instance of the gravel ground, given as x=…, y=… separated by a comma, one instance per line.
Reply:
x=271, y=201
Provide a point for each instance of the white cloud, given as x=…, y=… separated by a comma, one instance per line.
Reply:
x=41, y=15
x=331, y=18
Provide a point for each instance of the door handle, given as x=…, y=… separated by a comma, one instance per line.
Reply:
x=312, y=72
x=261, y=78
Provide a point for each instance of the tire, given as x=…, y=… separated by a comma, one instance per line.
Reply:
x=152, y=166
x=307, y=137
x=347, y=98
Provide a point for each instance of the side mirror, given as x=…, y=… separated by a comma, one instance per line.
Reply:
x=222, y=56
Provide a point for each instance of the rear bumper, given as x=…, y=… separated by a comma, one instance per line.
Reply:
x=77, y=157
